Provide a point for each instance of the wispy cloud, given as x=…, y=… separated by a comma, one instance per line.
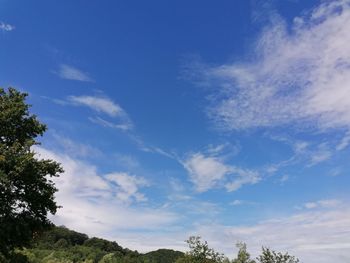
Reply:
x=321, y=154
x=239, y=202
x=128, y=186
x=326, y=203
x=344, y=142
x=102, y=105
x=6, y=27
x=74, y=148
x=310, y=153
x=121, y=126
x=299, y=75
x=69, y=72
x=208, y=172
x=99, y=104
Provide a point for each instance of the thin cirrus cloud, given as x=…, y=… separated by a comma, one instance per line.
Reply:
x=69, y=72
x=121, y=126
x=299, y=75
x=207, y=172
x=327, y=203
x=106, y=106
x=99, y=104
x=6, y=27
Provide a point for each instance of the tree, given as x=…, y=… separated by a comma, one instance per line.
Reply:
x=26, y=186
x=270, y=256
x=200, y=252
x=243, y=256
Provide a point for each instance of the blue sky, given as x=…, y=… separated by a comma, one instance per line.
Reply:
x=225, y=119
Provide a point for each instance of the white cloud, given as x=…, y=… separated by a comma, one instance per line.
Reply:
x=6, y=27
x=299, y=75
x=216, y=149
x=344, y=142
x=127, y=161
x=99, y=104
x=238, y=202
x=321, y=154
x=320, y=157
x=128, y=186
x=177, y=192
x=74, y=148
x=72, y=73
x=120, y=126
x=102, y=105
x=284, y=179
x=327, y=203
x=314, y=237
x=310, y=153
x=243, y=176
x=79, y=177
x=207, y=172
x=90, y=201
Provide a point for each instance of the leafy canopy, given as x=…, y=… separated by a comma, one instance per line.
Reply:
x=270, y=256
x=26, y=188
x=243, y=256
x=200, y=252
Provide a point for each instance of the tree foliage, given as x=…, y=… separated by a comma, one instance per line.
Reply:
x=243, y=256
x=200, y=252
x=270, y=256
x=26, y=188
x=60, y=244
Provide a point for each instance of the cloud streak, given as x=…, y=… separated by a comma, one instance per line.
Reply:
x=127, y=125
x=99, y=104
x=69, y=72
x=102, y=105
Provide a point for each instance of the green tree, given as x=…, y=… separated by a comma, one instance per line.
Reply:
x=26, y=186
x=200, y=252
x=243, y=256
x=270, y=256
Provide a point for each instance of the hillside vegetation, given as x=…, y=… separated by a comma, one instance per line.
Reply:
x=63, y=245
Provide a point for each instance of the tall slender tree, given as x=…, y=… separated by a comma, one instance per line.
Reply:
x=243, y=256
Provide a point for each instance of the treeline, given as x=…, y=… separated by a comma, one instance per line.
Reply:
x=61, y=245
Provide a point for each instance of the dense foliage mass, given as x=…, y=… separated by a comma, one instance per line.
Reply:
x=61, y=245
x=26, y=191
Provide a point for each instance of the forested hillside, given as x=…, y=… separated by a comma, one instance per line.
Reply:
x=63, y=245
